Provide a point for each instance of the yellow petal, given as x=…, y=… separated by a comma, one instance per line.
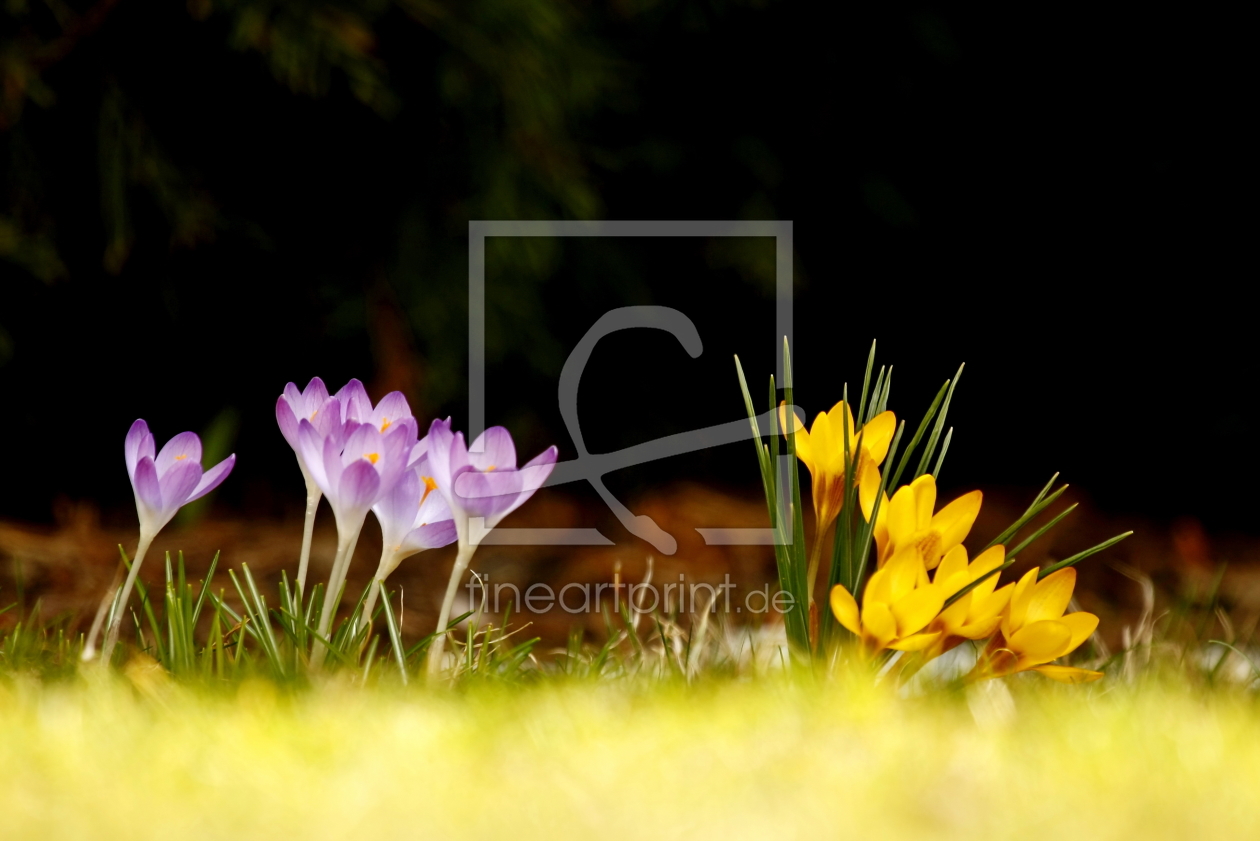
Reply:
x=878, y=624
x=979, y=629
x=915, y=642
x=877, y=435
x=902, y=523
x=955, y=616
x=1050, y=596
x=991, y=605
x=838, y=415
x=954, y=521
x=954, y=563
x=883, y=545
x=845, y=609
x=1040, y=642
x=803, y=445
x=986, y=561
x=924, y=490
x=916, y=610
x=1068, y=674
x=877, y=589
x=1019, y=601
x=868, y=488
x=1082, y=625
x=903, y=571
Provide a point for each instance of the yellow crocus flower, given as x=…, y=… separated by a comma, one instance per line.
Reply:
x=1034, y=632
x=898, y=604
x=976, y=615
x=907, y=520
x=822, y=450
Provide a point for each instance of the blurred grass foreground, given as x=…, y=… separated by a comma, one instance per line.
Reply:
x=142, y=757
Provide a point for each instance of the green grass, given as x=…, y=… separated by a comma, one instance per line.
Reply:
x=143, y=756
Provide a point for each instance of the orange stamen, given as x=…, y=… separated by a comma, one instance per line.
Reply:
x=373, y=457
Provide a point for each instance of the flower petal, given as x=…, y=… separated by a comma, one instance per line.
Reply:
x=314, y=394
x=868, y=488
x=923, y=490
x=431, y=536
x=184, y=447
x=145, y=484
x=1068, y=674
x=955, y=520
x=392, y=409
x=804, y=447
x=877, y=435
x=358, y=487
x=878, y=625
x=213, y=477
x=354, y=400
x=1082, y=625
x=1040, y=642
x=178, y=483
x=493, y=450
x=954, y=562
x=845, y=609
x=1020, y=597
x=137, y=445
x=915, y=642
x=916, y=610
x=287, y=421
x=1050, y=595
x=396, y=511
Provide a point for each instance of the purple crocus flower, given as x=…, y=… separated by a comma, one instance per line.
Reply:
x=325, y=413
x=484, y=483
x=163, y=482
x=413, y=518
x=378, y=449
x=357, y=406
x=170, y=480
x=353, y=478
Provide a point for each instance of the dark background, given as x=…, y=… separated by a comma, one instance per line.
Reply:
x=202, y=203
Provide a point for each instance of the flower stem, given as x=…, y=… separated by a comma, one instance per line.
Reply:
x=313, y=497
x=332, y=596
x=462, y=560
x=111, y=636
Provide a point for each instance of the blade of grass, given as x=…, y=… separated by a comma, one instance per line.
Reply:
x=395, y=636
x=930, y=449
x=1080, y=556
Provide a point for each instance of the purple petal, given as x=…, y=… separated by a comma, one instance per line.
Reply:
x=392, y=409
x=355, y=403
x=432, y=510
x=326, y=417
x=535, y=473
x=311, y=452
x=294, y=396
x=137, y=445
x=493, y=450
x=184, y=447
x=178, y=483
x=396, y=510
x=287, y=421
x=144, y=481
x=358, y=487
x=489, y=495
x=213, y=477
x=365, y=442
x=430, y=536
x=331, y=468
x=315, y=392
